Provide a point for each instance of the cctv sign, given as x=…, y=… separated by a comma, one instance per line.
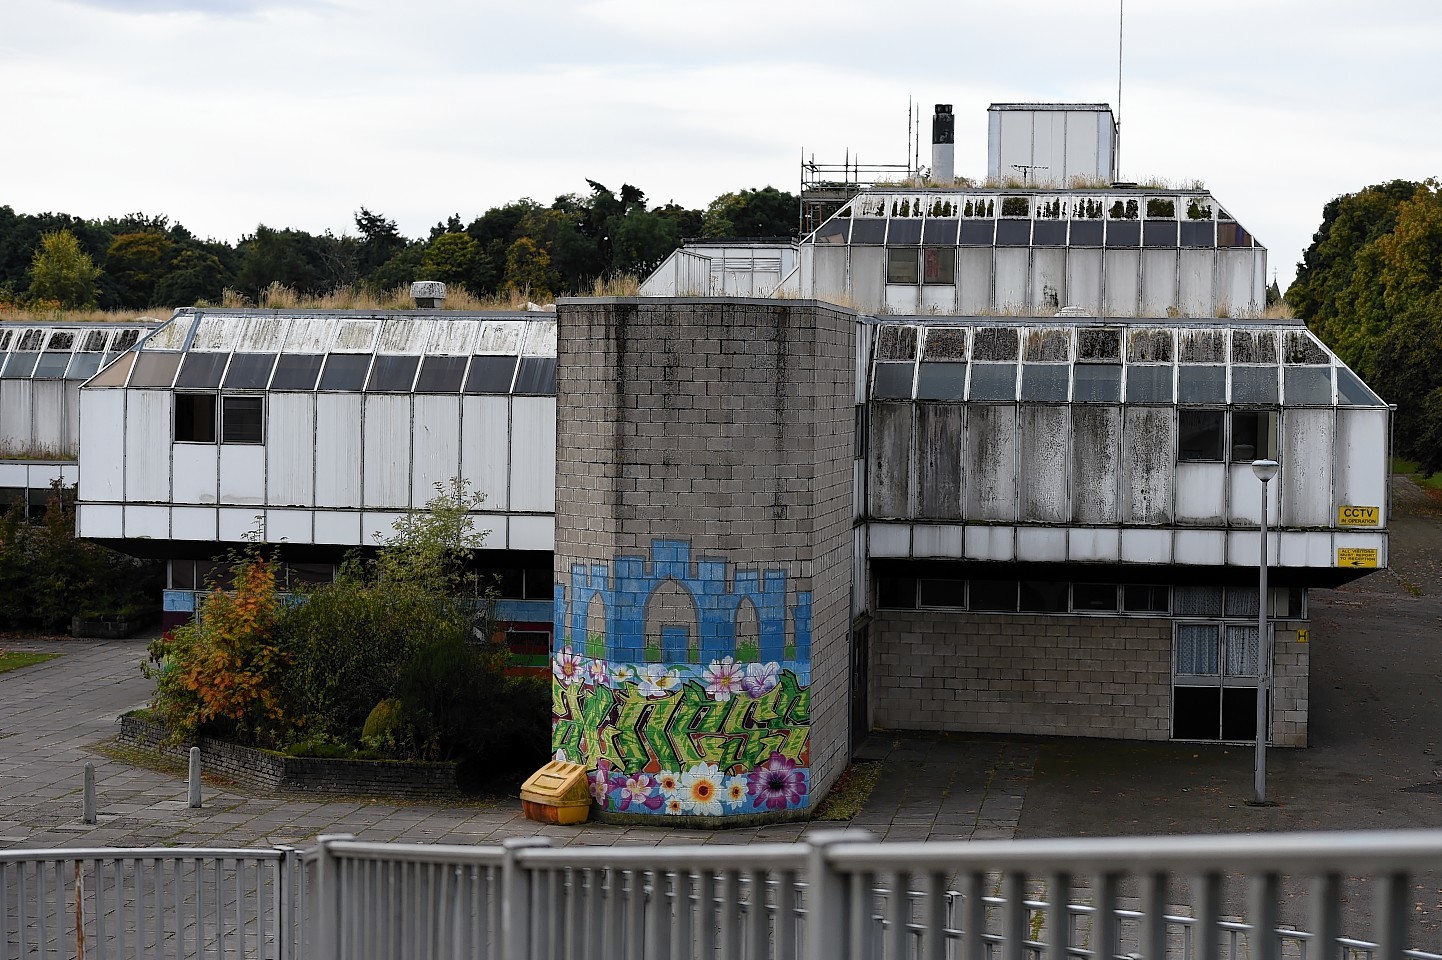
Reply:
x=1350, y=516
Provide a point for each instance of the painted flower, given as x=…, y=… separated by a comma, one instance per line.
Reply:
x=600, y=781
x=761, y=678
x=701, y=790
x=657, y=681
x=620, y=673
x=735, y=792
x=567, y=667
x=777, y=784
x=723, y=678
x=669, y=783
x=673, y=805
x=641, y=790
x=597, y=673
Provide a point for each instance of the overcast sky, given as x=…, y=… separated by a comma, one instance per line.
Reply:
x=223, y=114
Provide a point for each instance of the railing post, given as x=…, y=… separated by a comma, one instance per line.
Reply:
x=826, y=896
x=327, y=898
x=287, y=887
x=516, y=898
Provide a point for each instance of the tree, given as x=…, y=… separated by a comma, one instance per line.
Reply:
x=767, y=212
x=288, y=257
x=528, y=270
x=380, y=240
x=137, y=262
x=451, y=258
x=62, y=272
x=195, y=275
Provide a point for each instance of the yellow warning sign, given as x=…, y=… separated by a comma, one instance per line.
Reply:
x=1351, y=516
x=1303, y=636
x=1356, y=556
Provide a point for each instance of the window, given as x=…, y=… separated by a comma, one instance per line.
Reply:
x=1094, y=596
x=1146, y=598
x=941, y=380
x=1254, y=436
x=393, y=374
x=896, y=593
x=296, y=371
x=993, y=381
x=242, y=419
x=943, y=593
x=901, y=266
x=1199, y=435
x=491, y=374
x=938, y=265
x=345, y=371
x=441, y=375
x=1043, y=596
x=997, y=596
x=249, y=371
x=195, y=418
x=893, y=380
x=537, y=376
x=202, y=369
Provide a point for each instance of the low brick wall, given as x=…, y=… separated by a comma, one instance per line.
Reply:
x=275, y=772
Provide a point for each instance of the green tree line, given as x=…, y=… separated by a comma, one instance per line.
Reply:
x=138, y=261
x=1370, y=285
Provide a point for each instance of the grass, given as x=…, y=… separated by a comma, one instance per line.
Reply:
x=13, y=451
x=17, y=660
x=16, y=313
x=1410, y=468
x=850, y=792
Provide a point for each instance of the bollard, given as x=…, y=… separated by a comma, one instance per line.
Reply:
x=90, y=793
x=195, y=778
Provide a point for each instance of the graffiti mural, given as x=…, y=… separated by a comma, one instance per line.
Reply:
x=662, y=690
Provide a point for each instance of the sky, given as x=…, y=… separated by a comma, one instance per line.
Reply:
x=224, y=114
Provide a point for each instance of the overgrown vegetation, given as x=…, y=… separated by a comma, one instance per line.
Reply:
x=48, y=575
x=394, y=658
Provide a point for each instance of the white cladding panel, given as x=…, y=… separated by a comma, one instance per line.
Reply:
x=1084, y=279
x=486, y=448
x=403, y=335
x=147, y=447
x=1246, y=495
x=337, y=453
x=454, y=338
x=829, y=270
x=1306, y=477
x=237, y=523
x=14, y=475
x=1235, y=281
x=378, y=527
x=242, y=474
x=1196, y=295
x=257, y=334
x=289, y=526
x=1361, y=458
x=310, y=334
x=99, y=520
x=1094, y=544
x=150, y=523
x=50, y=414
x=990, y=543
x=356, y=336
x=533, y=533
x=1041, y=544
x=195, y=467
x=540, y=339
x=500, y=336
x=973, y=280
x=868, y=275
x=1011, y=276
x=1122, y=282
x=929, y=540
x=1095, y=458
x=290, y=448
x=1200, y=547
x=991, y=461
x=387, y=453
x=1159, y=282
x=938, y=298
x=902, y=298
x=1048, y=280
x=1045, y=432
x=193, y=523
x=102, y=434
x=1201, y=492
x=435, y=446
x=337, y=526
x=1146, y=546
x=1149, y=458
x=533, y=455
x=15, y=430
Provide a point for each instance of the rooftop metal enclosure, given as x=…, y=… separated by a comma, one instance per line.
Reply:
x=1051, y=144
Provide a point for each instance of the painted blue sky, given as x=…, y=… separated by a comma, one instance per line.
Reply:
x=228, y=113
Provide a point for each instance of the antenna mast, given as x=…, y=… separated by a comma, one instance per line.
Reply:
x=1121, y=22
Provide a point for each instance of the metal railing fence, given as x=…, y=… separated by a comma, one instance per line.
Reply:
x=834, y=896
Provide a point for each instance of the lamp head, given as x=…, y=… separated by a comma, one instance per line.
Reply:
x=1266, y=470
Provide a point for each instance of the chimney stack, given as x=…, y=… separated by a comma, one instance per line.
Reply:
x=428, y=294
x=943, y=145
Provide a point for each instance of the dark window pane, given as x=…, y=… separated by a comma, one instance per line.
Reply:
x=993, y=381
x=1146, y=598
x=249, y=371
x=901, y=265
x=1201, y=384
x=895, y=341
x=938, y=265
x=5, y=337
x=943, y=593
x=1309, y=385
x=303, y=574
x=1099, y=344
x=940, y=231
x=1199, y=601
x=1049, y=233
x=1123, y=234
x=30, y=341
x=995, y=595
x=1254, y=346
x=1097, y=383
x=896, y=593
x=1302, y=348
x=51, y=366
x=1047, y=344
x=508, y=582
x=194, y=418
x=537, y=376
x=945, y=343
x=904, y=231
x=977, y=233
x=942, y=381
x=1160, y=233
x=995, y=343
x=242, y=419
x=83, y=366
x=125, y=339
x=1094, y=596
x=490, y=374
x=540, y=584
x=1196, y=713
x=1086, y=233
x=1232, y=235
x=1255, y=385
x=836, y=231
x=1013, y=233
x=1253, y=436
x=20, y=366
x=182, y=574
x=201, y=370
x=61, y=340
x=1044, y=382
x=393, y=374
x=154, y=369
x=296, y=371
x=1198, y=234
x=1149, y=384
x=345, y=371
x=1351, y=390
x=1199, y=435
x=94, y=342
x=441, y=375
x=868, y=232
x=1042, y=596
x=893, y=380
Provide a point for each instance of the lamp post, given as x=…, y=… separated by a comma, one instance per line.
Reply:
x=1266, y=471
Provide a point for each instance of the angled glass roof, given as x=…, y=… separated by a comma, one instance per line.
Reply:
x=1062, y=360
x=63, y=351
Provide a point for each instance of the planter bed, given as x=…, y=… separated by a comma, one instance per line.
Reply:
x=111, y=628
x=268, y=771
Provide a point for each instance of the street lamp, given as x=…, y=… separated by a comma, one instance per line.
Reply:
x=1266, y=471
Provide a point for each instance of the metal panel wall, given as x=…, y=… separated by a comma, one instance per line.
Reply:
x=1149, y=461
x=1234, y=281
x=1201, y=492
x=1245, y=495
x=435, y=446
x=290, y=446
x=486, y=448
x=15, y=430
x=197, y=472
x=1196, y=293
x=1096, y=463
x=938, y=460
x=533, y=453
x=242, y=474
x=1159, y=282
x=102, y=434
x=337, y=450
x=938, y=298
x=902, y=298
x=1045, y=450
x=1306, y=479
x=991, y=462
x=50, y=414
x=890, y=451
x=1121, y=282
x=829, y=269
x=868, y=277
x=1360, y=476
x=1012, y=265
x=1048, y=281
x=1084, y=279
x=973, y=280
x=147, y=446
x=387, y=453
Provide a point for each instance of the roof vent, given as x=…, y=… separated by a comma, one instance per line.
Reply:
x=1072, y=310
x=428, y=294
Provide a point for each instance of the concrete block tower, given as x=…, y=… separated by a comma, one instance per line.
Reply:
x=703, y=553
